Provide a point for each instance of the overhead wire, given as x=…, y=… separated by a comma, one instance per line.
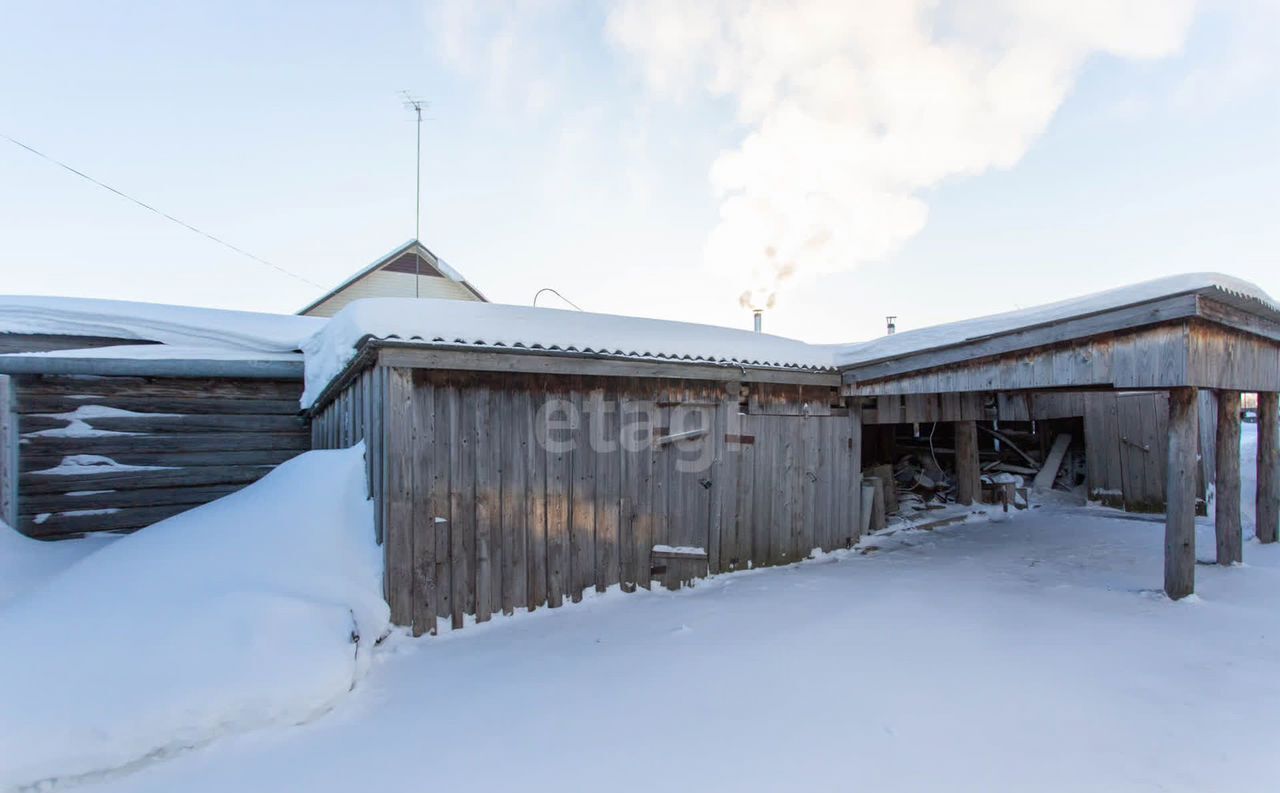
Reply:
x=160, y=212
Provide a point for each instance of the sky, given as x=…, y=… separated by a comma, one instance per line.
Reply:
x=835, y=160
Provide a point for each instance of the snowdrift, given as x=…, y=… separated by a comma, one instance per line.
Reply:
x=258, y=608
x=26, y=563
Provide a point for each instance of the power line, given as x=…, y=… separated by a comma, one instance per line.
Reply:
x=162, y=214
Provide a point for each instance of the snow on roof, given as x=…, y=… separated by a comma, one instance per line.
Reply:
x=164, y=352
x=186, y=326
x=952, y=333
x=492, y=325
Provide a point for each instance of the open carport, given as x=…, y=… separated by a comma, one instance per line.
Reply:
x=1207, y=335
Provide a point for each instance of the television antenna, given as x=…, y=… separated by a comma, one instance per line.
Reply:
x=417, y=105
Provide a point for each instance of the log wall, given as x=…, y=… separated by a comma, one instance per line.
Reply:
x=505, y=491
x=141, y=449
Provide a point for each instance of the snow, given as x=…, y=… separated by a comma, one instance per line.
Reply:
x=176, y=325
x=26, y=563
x=491, y=325
x=89, y=411
x=237, y=614
x=78, y=427
x=189, y=333
x=679, y=549
x=951, y=333
x=167, y=352
x=82, y=464
x=1031, y=651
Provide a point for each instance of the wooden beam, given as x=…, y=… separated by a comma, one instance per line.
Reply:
x=1268, y=496
x=8, y=454
x=148, y=367
x=968, y=475
x=568, y=363
x=1049, y=472
x=964, y=350
x=1180, y=495
x=1227, y=489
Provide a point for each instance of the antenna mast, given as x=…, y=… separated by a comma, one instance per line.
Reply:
x=416, y=105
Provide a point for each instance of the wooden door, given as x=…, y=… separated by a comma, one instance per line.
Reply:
x=1142, y=425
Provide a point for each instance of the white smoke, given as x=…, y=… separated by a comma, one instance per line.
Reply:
x=855, y=108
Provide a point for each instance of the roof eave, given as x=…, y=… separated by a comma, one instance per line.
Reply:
x=368, y=348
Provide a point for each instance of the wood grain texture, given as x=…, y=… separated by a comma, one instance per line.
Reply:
x=1226, y=521
x=1180, y=514
x=1267, y=506
x=425, y=505
x=510, y=506
x=9, y=458
x=968, y=471
x=487, y=499
x=205, y=437
x=398, y=537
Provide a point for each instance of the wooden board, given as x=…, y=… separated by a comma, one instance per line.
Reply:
x=1048, y=473
x=398, y=537
x=488, y=519
x=1267, y=504
x=558, y=486
x=1227, y=527
x=9, y=460
x=426, y=515
x=1180, y=518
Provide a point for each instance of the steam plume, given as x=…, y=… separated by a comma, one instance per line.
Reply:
x=855, y=108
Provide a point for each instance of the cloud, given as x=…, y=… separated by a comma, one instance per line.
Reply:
x=854, y=109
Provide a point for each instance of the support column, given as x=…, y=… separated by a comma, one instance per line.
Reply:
x=968, y=472
x=1180, y=495
x=1268, y=503
x=1226, y=516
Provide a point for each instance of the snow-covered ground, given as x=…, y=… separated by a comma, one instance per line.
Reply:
x=1032, y=652
x=260, y=608
x=27, y=563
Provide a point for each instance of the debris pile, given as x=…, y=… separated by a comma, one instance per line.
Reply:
x=922, y=478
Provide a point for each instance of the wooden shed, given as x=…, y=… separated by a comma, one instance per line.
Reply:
x=519, y=473
x=1174, y=338
x=116, y=430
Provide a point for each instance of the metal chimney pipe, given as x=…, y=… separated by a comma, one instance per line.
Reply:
x=758, y=313
x=891, y=325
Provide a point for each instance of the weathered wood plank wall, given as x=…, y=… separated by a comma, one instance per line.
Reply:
x=8, y=453
x=118, y=453
x=522, y=491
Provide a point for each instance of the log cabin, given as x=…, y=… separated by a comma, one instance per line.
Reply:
x=114, y=415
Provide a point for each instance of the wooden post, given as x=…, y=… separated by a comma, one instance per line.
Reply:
x=1268, y=503
x=1180, y=495
x=1227, y=490
x=968, y=471
x=8, y=454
